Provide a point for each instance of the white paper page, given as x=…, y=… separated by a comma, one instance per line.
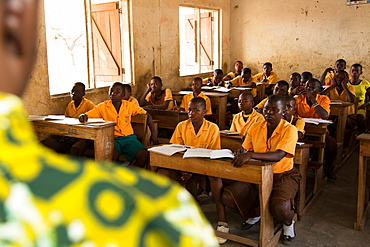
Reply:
x=197, y=152
x=223, y=153
x=167, y=149
x=55, y=117
x=222, y=89
x=36, y=118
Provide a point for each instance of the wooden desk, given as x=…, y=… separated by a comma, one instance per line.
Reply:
x=236, y=91
x=256, y=172
x=261, y=87
x=362, y=205
x=101, y=133
x=168, y=119
x=218, y=101
x=340, y=110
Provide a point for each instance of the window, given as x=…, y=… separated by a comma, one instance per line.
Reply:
x=199, y=40
x=84, y=43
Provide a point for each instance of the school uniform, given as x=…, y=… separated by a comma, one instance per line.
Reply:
x=166, y=95
x=360, y=92
x=209, y=80
x=271, y=79
x=330, y=76
x=238, y=81
x=133, y=101
x=85, y=106
x=299, y=123
x=240, y=125
x=186, y=99
x=334, y=95
x=262, y=103
x=306, y=111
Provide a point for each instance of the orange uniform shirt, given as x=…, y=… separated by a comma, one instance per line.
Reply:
x=283, y=138
x=167, y=95
x=85, y=106
x=186, y=99
x=306, y=111
x=210, y=79
x=262, y=103
x=107, y=111
x=330, y=76
x=334, y=95
x=238, y=81
x=299, y=124
x=239, y=125
x=272, y=79
x=133, y=101
x=208, y=135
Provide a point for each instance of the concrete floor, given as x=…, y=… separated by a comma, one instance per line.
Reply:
x=328, y=223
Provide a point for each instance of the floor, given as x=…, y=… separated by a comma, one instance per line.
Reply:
x=328, y=223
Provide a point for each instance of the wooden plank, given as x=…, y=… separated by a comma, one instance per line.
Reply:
x=361, y=189
x=104, y=6
x=237, y=238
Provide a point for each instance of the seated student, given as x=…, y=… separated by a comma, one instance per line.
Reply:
x=294, y=81
x=216, y=80
x=245, y=80
x=281, y=88
x=362, y=88
x=329, y=73
x=196, y=85
x=310, y=104
x=267, y=76
x=128, y=96
x=78, y=106
x=120, y=111
x=289, y=116
x=305, y=77
x=281, y=138
x=238, y=66
x=155, y=97
x=248, y=116
x=195, y=132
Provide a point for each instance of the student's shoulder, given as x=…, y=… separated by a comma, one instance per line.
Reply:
x=211, y=125
x=287, y=128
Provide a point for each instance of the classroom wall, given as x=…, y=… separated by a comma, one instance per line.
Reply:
x=299, y=35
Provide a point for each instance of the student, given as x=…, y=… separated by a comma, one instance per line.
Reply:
x=196, y=85
x=128, y=94
x=329, y=73
x=120, y=111
x=362, y=88
x=248, y=116
x=216, y=80
x=78, y=106
x=310, y=104
x=268, y=77
x=238, y=66
x=281, y=88
x=281, y=138
x=245, y=80
x=305, y=77
x=294, y=81
x=289, y=116
x=155, y=97
x=44, y=195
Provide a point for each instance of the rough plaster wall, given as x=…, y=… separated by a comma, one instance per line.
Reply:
x=156, y=40
x=299, y=35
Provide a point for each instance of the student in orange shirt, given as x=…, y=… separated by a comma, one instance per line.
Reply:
x=329, y=73
x=289, y=116
x=248, y=116
x=128, y=94
x=305, y=77
x=238, y=66
x=216, y=80
x=267, y=76
x=281, y=88
x=78, y=106
x=156, y=98
x=281, y=138
x=294, y=81
x=196, y=85
x=120, y=111
x=245, y=80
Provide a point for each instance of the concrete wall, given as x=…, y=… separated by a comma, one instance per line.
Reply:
x=299, y=35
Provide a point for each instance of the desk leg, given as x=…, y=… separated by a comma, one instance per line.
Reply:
x=222, y=112
x=361, y=205
x=104, y=144
x=302, y=184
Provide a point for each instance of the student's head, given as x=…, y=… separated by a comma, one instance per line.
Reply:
x=245, y=102
x=341, y=76
x=356, y=70
x=18, y=28
x=78, y=91
x=127, y=88
x=246, y=74
x=196, y=85
x=197, y=109
x=274, y=108
x=267, y=68
x=295, y=80
x=340, y=65
x=117, y=92
x=281, y=88
x=305, y=77
x=238, y=66
x=156, y=84
x=218, y=74
x=291, y=106
x=313, y=86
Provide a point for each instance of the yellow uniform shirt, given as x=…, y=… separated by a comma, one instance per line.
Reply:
x=186, y=99
x=209, y=80
x=330, y=76
x=360, y=91
x=85, y=106
x=299, y=123
x=238, y=81
x=239, y=125
x=283, y=138
x=272, y=79
x=334, y=95
x=306, y=111
x=133, y=101
x=232, y=75
x=107, y=112
x=47, y=199
x=208, y=135
x=167, y=95
x=262, y=103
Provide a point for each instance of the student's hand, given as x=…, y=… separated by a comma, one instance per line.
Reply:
x=149, y=89
x=186, y=176
x=345, y=81
x=240, y=159
x=294, y=91
x=83, y=118
x=239, y=151
x=176, y=108
x=264, y=81
x=154, y=139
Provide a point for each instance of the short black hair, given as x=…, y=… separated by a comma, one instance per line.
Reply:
x=199, y=100
x=219, y=71
x=249, y=95
x=296, y=74
x=238, y=62
x=289, y=98
x=268, y=64
x=127, y=87
x=341, y=60
x=315, y=80
x=357, y=65
x=307, y=75
x=157, y=78
x=119, y=84
x=247, y=71
x=79, y=84
x=277, y=98
x=195, y=79
x=284, y=83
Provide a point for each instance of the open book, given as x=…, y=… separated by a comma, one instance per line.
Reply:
x=208, y=153
x=316, y=121
x=168, y=150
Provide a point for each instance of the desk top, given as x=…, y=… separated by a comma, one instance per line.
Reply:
x=75, y=124
x=340, y=104
x=211, y=94
x=363, y=137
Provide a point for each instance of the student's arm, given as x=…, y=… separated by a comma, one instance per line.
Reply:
x=275, y=156
x=350, y=96
x=319, y=109
x=142, y=100
x=331, y=87
x=322, y=78
x=153, y=131
x=367, y=99
x=300, y=135
x=226, y=78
